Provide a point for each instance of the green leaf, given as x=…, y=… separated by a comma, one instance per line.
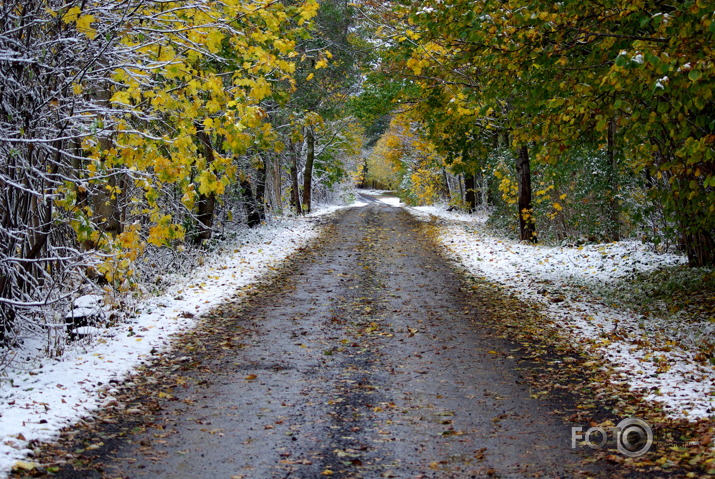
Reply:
x=652, y=59
x=602, y=124
x=695, y=75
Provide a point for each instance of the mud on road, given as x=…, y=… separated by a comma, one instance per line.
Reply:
x=366, y=357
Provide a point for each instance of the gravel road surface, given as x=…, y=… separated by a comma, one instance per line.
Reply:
x=364, y=358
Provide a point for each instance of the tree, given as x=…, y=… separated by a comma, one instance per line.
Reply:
x=119, y=131
x=53, y=70
x=629, y=80
x=325, y=79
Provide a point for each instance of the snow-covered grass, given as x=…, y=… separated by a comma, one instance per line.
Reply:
x=651, y=354
x=40, y=395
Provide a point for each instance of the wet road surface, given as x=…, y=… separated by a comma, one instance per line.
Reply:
x=364, y=359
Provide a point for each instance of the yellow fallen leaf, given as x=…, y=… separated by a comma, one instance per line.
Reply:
x=328, y=472
x=251, y=377
x=25, y=465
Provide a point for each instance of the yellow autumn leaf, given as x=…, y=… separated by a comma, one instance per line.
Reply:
x=158, y=235
x=207, y=182
x=309, y=10
x=189, y=198
x=71, y=15
x=129, y=239
x=415, y=65
x=121, y=97
x=213, y=41
x=83, y=26
x=261, y=90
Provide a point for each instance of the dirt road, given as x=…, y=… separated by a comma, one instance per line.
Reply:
x=366, y=358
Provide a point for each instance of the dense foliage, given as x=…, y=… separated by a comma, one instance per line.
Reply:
x=131, y=131
x=135, y=127
x=605, y=104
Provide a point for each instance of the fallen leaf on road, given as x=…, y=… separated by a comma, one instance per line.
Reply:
x=27, y=466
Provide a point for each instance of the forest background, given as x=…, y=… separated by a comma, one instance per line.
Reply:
x=135, y=135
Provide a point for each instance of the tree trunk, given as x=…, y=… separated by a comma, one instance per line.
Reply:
x=308, y=171
x=278, y=183
x=613, y=214
x=700, y=248
x=461, y=188
x=253, y=218
x=470, y=197
x=363, y=176
x=27, y=278
x=696, y=238
x=688, y=209
x=527, y=224
x=7, y=312
x=106, y=204
x=261, y=190
x=479, y=188
x=206, y=204
x=446, y=190
x=294, y=190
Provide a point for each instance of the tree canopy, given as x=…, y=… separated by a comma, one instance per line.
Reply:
x=136, y=127
x=631, y=81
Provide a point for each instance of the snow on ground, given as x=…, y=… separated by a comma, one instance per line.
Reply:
x=391, y=200
x=381, y=197
x=39, y=395
x=650, y=355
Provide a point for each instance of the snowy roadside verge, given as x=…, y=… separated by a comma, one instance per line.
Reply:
x=37, y=401
x=648, y=355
